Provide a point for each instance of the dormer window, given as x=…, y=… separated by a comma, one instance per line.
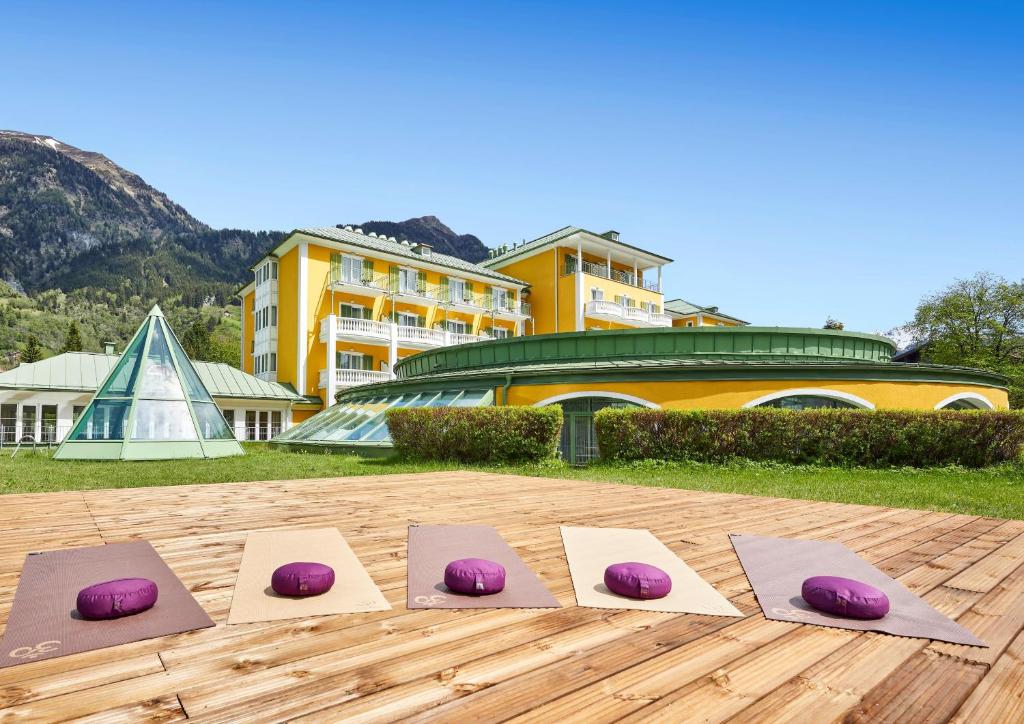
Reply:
x=422, y=249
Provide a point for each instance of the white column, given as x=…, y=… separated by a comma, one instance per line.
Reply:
x=332, y=345
x=239, y=425
x=302, y=332
x=17, y=423
x=660, y=290
x=241, y=342
x=636, y=274
x=579, y=285
x=393, y=349
x=609, y=263
x=65, y=418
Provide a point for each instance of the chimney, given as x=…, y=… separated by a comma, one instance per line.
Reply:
x=108, y=348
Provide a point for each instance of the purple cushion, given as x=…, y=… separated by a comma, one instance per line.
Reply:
x=113, y=599
x=637, y=580
x=845, y=597
x=302, y=579
x=475, y=576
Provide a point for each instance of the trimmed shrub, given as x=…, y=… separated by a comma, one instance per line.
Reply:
x=475, y=434
x=870, y=438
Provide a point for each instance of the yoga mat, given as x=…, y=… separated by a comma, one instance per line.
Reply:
x=432, y=547
x=44, y=623
x=591, y=550
x=777, y=568
x=254, y=600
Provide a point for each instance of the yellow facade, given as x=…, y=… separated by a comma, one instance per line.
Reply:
x=732, y=394
x=308, y=294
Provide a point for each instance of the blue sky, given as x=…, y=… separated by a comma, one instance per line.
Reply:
x=798, y=160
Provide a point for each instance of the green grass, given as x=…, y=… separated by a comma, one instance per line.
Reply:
x=997, y=491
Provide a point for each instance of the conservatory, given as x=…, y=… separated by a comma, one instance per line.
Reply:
x=151, y=406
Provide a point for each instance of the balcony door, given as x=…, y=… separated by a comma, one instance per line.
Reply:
x=353, y=361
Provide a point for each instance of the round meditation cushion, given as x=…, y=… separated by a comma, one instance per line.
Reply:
x=302, y=579
x=113, y=599
x=637, y=580
x=475, y=576
x=845, y=597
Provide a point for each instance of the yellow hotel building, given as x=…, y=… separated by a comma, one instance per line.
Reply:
x=574, y=318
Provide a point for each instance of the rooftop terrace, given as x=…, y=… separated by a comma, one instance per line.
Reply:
x=570, y=664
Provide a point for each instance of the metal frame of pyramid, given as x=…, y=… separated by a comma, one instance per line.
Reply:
x=152, y=406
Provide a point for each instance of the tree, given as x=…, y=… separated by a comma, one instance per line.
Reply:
x=33, y=352
x=976, y=322
x=833, y=324
x=196, y=341
x=73, y=340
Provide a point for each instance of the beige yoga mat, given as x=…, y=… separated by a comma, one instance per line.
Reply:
x=44, y=624
x=591, y=550
x=254, y=600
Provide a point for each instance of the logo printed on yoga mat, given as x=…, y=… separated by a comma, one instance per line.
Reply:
x=435, y=600
x=794, y=612
x=31, y=652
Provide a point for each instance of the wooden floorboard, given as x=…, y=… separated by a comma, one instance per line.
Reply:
x=571, y=664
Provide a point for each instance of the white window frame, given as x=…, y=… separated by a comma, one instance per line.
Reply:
x=412, y=273
x=352, y=261
x=453, y=284
x=596, y=294
x=408, y=315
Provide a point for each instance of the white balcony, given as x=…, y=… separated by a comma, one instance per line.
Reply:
x=511, y=310
x=456, y=338
x=350, y=329
x=420, y=337
x=636, y=316
x=351, y=378
x=364, y=285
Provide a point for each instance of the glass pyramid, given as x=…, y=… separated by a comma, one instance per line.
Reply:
x=152, y=406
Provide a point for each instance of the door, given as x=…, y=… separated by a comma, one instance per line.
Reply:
x=579, y=437
x=8, y=422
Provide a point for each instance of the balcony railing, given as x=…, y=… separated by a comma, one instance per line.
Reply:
x=616, y=275
x=351, y=378
x=420, y=335
x=630, y=315
x=353, y=327
x=373, y=283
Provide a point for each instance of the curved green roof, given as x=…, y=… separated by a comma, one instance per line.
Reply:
x=674, y=344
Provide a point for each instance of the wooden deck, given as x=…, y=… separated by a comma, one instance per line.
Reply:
x=574, y=663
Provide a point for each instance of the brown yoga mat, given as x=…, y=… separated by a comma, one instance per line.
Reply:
x=254, y=600
x=432, y=547
x=777, y=568
x=44, y=623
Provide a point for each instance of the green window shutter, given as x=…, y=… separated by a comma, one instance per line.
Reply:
x=367, y=271
x=421, y=281
x=393, y=281
x=421, y=321
x=444, y=289
x=619, y=299
x=468, y=294
x=346, y=310
x=488, y=298
x=367, y=313
x=335, y=267
x=367, y=362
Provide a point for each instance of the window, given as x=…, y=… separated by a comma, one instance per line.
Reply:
x=264, y=420
x=408, y=320
x=500, y=333
x=808, y=402
x=250, y=424
x=353, y=311
x=689, y=323
x=273, y=270
x=456, y=327
x=49, y=426
x=275, y=423
x=351, y=361
x=408, y=280
x=596, y=294
x=76, y=412
x=500, y=298
x=8, y=419
x=273, y=361
x=352, y=269
x=273, y=316
x=28, y=422
x=456, y=290
x=229, y=418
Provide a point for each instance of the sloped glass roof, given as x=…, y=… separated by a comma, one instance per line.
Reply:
x=152, y=405
x=361, y=422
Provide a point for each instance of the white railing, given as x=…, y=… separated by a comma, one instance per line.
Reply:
x=375, y=282
x=595, y=269
x=457, y=338
x=636, y=315
x=364, y=327
x=351, y=378
x=420, y=335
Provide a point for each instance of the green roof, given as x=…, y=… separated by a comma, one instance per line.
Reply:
x=681, y=306
x=84, y=371
x=397, y=248
x=558, y=235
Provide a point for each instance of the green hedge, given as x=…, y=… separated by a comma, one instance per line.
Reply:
x=871, y=438
x=475, y=434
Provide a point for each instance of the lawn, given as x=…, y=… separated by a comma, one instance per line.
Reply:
x=997, y=492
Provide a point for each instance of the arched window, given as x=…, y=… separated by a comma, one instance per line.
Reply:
x=579, y=437
x=811, y=399
x=965, y=401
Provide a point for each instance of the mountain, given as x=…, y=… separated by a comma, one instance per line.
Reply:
x=71, y=218
x=429, y=230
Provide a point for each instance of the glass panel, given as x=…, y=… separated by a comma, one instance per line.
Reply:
x=49, y=427
x=163, y=420
x=250, y=425
x=104, y=420
x=8, y=420
x=122, y=381
x=212, y=425
x=264, y=420
x=28, y=422
x=275, y=423
x=193, y=385
x=159, y=379
x=807, y=402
